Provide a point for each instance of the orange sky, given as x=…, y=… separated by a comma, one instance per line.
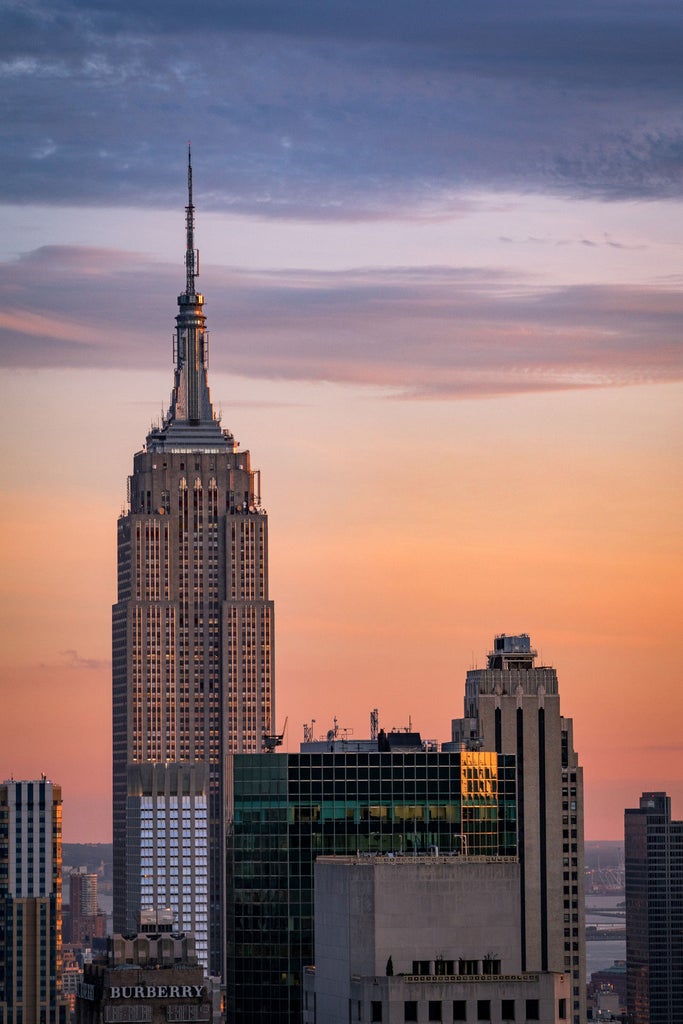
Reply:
x=403, y=535
x=442, y=260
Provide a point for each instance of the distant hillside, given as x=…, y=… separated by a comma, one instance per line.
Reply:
x=96, y=857
x=605, y=853
x=599, y=854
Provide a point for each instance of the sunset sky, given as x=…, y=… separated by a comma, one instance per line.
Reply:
x=442, y=256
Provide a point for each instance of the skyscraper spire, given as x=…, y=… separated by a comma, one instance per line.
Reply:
x=190, y=421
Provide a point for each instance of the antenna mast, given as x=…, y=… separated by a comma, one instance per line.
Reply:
x=191, y=254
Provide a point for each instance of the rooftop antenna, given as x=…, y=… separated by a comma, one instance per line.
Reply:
x=191, y=254
x=308, y=731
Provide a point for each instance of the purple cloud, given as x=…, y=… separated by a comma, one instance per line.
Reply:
x=434, y=332
x=302, y=109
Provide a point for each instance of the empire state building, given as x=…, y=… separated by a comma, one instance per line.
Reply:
x=192, y=646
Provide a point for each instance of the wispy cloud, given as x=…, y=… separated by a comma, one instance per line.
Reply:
x=76, y=660
x=69, y=660
x=591, y=243
x=435, y=332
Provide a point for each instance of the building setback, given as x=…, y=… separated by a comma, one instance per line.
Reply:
x=513, y=707
x=31, y=903
x=653, y=855
x=192, y=646
x=287, y=809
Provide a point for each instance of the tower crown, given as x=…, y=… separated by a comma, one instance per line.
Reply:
x=512, y=652
x=190, y=423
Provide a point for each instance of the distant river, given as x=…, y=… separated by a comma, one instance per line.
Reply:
x=605, y=912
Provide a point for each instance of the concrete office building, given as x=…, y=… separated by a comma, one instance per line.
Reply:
x=513, y=707
x=288, y=809
x=653, y=855
x=192, y=644
x=31, y=903
x=427, y=938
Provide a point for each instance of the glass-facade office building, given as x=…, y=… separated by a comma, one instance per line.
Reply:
x=168, y=857
x=287, y=809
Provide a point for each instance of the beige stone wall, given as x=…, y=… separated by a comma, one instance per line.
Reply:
x=455, y=908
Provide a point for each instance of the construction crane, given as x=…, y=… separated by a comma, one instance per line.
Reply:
x=274, y=739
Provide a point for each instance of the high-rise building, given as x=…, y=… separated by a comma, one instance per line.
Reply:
x=513, y=707
x=83, y=919
x=383, y=799
x=192, y=645
x=31, y=903
x=653, y=852
x=83, y=891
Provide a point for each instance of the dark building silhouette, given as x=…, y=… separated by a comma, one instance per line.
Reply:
x=653, y=852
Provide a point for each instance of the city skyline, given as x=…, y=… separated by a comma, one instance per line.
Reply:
x=442, y=263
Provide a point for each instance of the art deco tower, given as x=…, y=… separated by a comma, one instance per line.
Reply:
x=513, y=707
x=192, y=645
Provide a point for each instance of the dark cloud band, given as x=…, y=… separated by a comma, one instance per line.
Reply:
x=303, y=109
